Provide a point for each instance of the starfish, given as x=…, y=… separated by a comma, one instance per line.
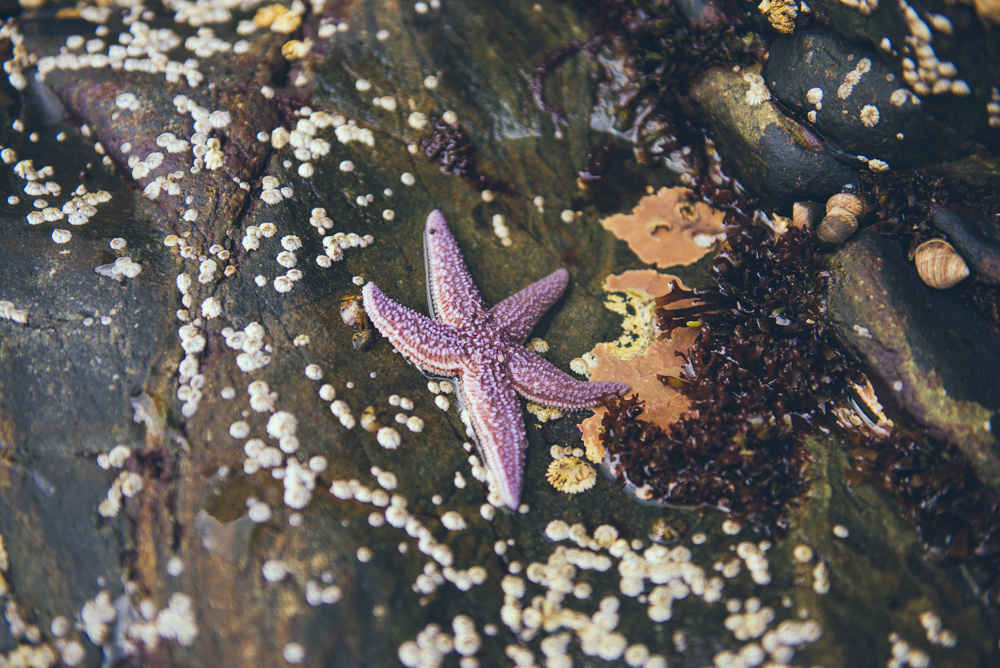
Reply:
x=484, y=350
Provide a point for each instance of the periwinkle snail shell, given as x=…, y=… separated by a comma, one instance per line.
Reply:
x=836, y=227
x=854, y=204
x=806, y=215
x=939, y=265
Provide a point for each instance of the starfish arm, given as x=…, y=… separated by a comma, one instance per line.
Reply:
x=517, y=315
x=433, y=346
x=499, y=424
x=454, y=298
x=541, y=382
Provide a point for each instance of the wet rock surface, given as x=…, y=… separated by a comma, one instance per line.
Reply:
x=211, y=561
x=930, y=355
x=855, y=100
x=976, y=239
x=945, y=44
x=769, y=151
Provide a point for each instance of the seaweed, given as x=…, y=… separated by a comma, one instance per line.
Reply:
x=764, y=372
x=956, y=514
x=761, y=371
x=449, y=145
x=665, y=53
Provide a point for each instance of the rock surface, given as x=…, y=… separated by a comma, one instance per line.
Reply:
x=931, y=356
x=857, y=101
x=91, y=361
x=975, y=239
x=770, y=152
x=946, y=43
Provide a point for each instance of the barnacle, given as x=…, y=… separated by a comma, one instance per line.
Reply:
x=780, y=14
x=571, y=475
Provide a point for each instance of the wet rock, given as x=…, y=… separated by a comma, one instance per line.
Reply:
x=952, y=69
x=207, y=525
x=67, y=378
x=702, y=14
x=975, y=239
x=854, y=99
x=859, y=543
x=929, y=355
x=772, y=154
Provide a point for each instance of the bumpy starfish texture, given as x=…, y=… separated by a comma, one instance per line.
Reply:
x=484, y=350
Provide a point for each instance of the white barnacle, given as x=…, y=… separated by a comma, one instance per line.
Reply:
x=388, y=438
x=271, y=196
x=219, y=118
x=869, y=115
x=417, y=120
x=899, y=97
x=52, y=214
x=453, y=521
x=214, y=159
x=282, y=424
x=211, y=308
x=319, y=147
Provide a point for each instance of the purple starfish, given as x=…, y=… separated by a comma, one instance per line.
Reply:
x=484, y=349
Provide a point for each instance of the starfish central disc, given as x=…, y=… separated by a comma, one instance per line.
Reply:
x=485, y=350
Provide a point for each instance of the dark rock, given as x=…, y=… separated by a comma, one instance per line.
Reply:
x=975, y=239
x=702, y=15
x=929, y=355
x=904, y=134
x=771, y=153
x=67, y=391
x=957, y=36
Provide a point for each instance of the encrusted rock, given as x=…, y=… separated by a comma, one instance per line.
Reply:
x=853, y=97
x=771, y=153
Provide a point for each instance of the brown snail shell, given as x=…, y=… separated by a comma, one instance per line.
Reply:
x=855, y=204
x=668, y=530
x=836, y=227
x=806, y=215
x=374, y=417
x=362, y=340
x=352, y=312
x=939, y=265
